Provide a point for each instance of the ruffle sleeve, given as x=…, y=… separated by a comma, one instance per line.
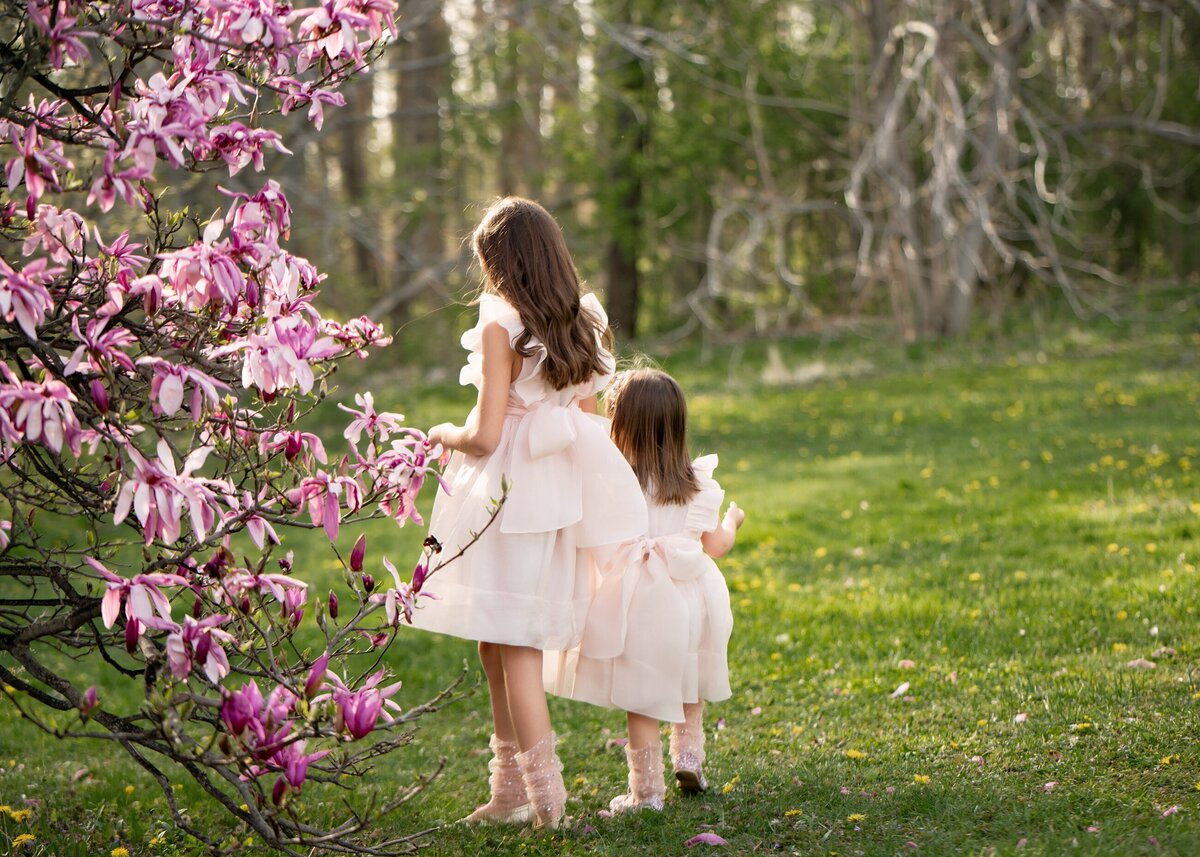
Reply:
x=703, y=514
x=491, y=308
x=591, y=303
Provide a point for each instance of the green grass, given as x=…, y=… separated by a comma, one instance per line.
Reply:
x=1001, y=525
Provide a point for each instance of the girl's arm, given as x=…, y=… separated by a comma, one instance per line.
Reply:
x=481, y=434
x=720, y=540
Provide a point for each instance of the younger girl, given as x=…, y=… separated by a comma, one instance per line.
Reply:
x=538, y=357
x=658, y=629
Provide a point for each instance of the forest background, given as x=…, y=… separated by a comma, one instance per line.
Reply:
x=767, y=167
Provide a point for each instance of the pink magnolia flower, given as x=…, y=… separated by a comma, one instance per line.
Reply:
x=103, y=345
x=24, y=297
x=157, y=493
x=65, y=39
x=36, y=164
x=142, y=595
x=294, y=444
x=294, y=762
x=359, y=711
x=382, y=424
x=111, y=183
x=61, y=233
x=400, y=473
x=247, y=511
x=240, y=583
x=197, y=641
x=400, y=600
x=298, y=93
x=170, y=379
x=5, y=529
x=324, y=496
x=203, y=274
x=40, y=413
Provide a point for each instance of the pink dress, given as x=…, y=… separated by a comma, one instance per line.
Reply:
x=657, y=633
x=529, y=578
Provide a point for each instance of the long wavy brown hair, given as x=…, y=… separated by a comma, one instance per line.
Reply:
x=649, y=426
x=525, y=260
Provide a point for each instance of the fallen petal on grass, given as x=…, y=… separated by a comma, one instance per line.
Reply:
x=705, y=839
x=1050, y=786
x=1141, y=664
x=900, y=690
x=1020, y=718
x=1169, y=811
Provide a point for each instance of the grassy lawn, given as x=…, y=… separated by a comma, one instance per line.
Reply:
x=950, y=559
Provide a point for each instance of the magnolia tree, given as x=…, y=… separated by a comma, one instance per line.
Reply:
x=151, y=382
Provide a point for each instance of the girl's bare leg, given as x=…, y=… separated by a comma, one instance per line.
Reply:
x=509, y=803
x=493, y=668
x=531, y=721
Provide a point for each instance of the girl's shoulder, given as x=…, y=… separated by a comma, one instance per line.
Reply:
x=492, y=308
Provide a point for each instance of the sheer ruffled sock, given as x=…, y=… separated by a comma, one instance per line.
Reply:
x=508, y=804
x=542, y=772
x=687, y=749
x=646, y=785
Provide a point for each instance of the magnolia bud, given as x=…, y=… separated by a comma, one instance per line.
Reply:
x=358, y=553
x=368, y=582
x=99, y=395
x=333, y=604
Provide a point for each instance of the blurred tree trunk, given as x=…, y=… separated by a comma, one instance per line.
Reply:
x=625, y=122
x=354, y=128
x=423, y=60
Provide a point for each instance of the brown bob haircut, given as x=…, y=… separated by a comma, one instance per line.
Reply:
x=649, y=426
x=525, y=260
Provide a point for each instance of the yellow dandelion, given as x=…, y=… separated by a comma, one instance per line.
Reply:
x=974, y=577
x=1020, y=576
x=1119, y=647
x=119, y=851
x=729, y=786
x=5, y=808
x=855, y=754
x=920, y=779
x=982, y=721
x=128, y=790
x=1112, y=547
x=855, y=817
x=1081, y=727
x=1122, y=615
x=792, y=813
x=22, y=839
x=19, y=815
x=821, y=552
x=1166, y=760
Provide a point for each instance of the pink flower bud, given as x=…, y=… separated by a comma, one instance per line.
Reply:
x=358, y=554
x=99, y=395
x=133, y=630
x=333, y=604
x=419, y=575
x=279, y=791
x=316, y=676
x=90, y=701
x=368, y=582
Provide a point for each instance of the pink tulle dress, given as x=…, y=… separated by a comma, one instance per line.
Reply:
x=530, y=577
x=657, y=633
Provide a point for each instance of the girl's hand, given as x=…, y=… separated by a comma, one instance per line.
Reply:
x=437, y=434
x=735, y=515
